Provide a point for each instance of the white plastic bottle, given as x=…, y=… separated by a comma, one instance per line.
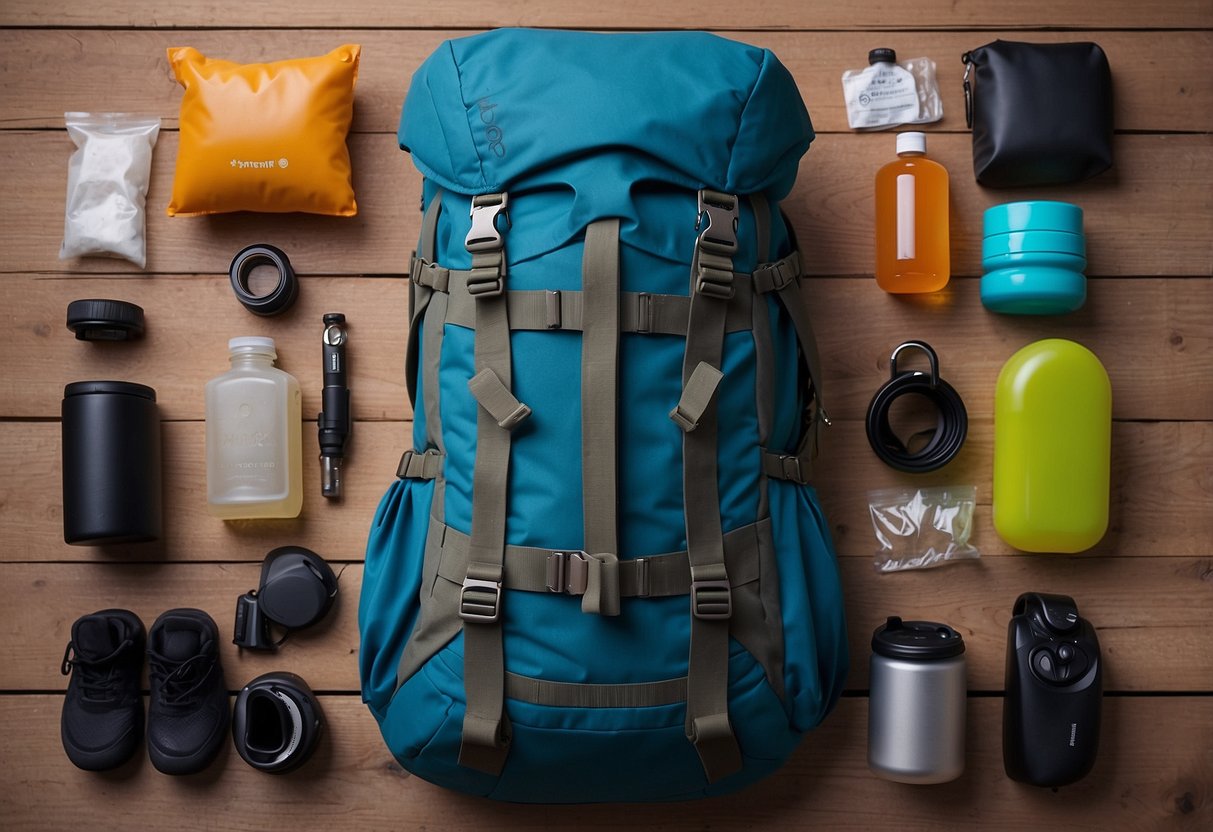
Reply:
x=254, y=453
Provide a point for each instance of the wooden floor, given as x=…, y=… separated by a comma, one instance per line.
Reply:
x=1148, y=586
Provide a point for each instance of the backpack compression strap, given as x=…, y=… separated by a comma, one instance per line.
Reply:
x=707, y=717
x=486, y=728
x=783, y=278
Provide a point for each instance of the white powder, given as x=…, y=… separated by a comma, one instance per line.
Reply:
x=107, y=179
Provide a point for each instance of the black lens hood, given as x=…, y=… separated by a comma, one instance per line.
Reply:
x=284, y=293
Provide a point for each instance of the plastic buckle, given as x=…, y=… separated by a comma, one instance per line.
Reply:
x=480, y=601
x=402, y=470
x=792, y=471
x=719, y=234
x=515, y=417
x=685, y=423
x=568, y=572
x=483, y=235
x=711, y=600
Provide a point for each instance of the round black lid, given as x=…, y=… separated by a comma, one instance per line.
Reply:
x=883, y=55
x=118, y=388
x=99, y=319
x=922, y=640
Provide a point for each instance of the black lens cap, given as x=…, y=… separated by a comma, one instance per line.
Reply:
x=98, y=319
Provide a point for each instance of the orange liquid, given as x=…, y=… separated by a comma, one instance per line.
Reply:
x=912, y=226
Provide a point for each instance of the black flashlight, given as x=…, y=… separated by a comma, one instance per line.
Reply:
x=334, y=421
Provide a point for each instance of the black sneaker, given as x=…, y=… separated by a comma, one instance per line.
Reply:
x=102, y=720
x=187, y=713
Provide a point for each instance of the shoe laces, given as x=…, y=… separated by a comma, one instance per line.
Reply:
x=180, y=682
x=99, y=678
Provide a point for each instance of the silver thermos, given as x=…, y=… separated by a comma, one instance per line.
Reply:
x=916, y=712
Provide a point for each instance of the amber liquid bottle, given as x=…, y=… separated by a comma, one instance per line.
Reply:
x=912, y=220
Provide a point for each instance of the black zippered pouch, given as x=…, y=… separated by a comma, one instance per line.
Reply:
x=1041, y=113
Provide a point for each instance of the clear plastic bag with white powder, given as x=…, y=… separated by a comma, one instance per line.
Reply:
x=107, y=179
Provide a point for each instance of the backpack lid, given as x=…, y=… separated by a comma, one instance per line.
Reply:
x=514, y=108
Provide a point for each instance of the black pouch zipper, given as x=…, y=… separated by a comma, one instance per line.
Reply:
x=967, y=60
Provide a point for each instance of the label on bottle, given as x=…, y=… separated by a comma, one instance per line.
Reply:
x=880, y=95
x=905, y=216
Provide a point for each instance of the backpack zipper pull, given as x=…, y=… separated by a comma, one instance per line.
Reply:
x=967, y=59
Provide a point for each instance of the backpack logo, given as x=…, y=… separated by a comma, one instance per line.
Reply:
x=492, y=131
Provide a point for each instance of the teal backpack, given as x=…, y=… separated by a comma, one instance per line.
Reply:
x=601, y=574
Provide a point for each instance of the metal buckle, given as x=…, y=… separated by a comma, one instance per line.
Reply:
x=568, y=572
x=480, y=601
x=711, y=600
x=483, y=235
x=719, y=234
x=515, y=417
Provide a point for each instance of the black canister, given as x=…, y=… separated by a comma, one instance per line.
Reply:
x=111, y=463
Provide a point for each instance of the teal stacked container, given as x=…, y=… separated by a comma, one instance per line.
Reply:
x=1033, y=254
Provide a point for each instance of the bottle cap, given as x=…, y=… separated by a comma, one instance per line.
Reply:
x=912, y=142
x=923, y=640
x=252, y=343
x=883, y=55
x=1032, y=215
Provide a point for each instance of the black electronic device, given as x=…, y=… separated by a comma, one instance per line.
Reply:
x=334, y=420
x=276, y=722
x=1050, y=725
x=297, y=589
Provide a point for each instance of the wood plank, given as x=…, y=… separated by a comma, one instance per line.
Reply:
x=479, y=14
x=1162, y=486
x=1162, y=178
x=1145, y=610
x=128, y=70
x=1152, y=773
x=1154, y=336
x=189, y=321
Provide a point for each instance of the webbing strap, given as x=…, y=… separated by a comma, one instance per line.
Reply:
x=486, y=728
x=534, y=569
x=419, y=293
x=696, y=397
x=599, y=382
x=641, y=312
x=707, y=721
x=497, y=399
x=584, y=695
x=785, y=281
x=418, y=465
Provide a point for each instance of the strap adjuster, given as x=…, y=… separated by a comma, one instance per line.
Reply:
x=486, y=281
x=711, y=600
x=644, y=313
x=480, y=601
x=792, y=469
x=568, y=572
